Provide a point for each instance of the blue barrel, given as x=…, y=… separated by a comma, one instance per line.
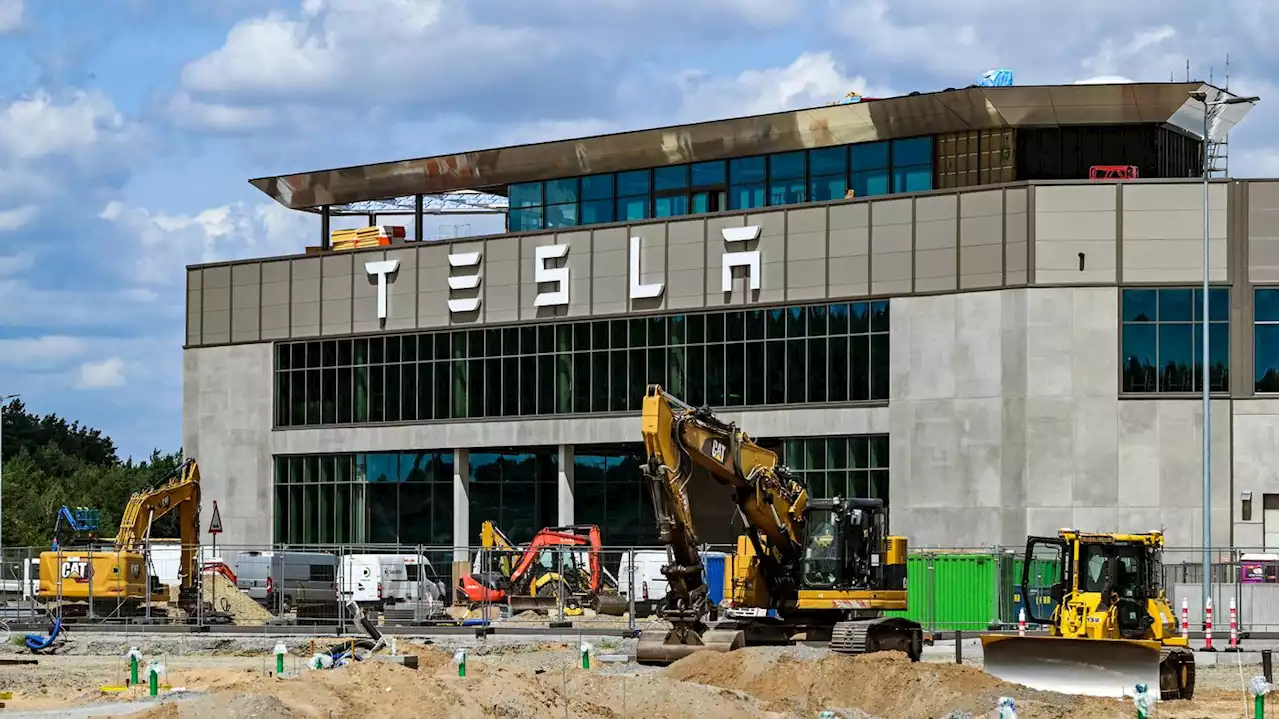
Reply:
x=713, y=564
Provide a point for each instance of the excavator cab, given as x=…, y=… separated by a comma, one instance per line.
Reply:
x=841, y=544
x=1110, y=626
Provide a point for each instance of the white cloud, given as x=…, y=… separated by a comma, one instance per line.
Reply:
x=1105, y=80
x=38, y=126
x=38, y=353
x=102, y=374
x=10, y=15
x=937, y=46
x=167, y=243
x=812, y=79
x=13, y=264
x=15, y=218
x=332, y=45
x=187, y=112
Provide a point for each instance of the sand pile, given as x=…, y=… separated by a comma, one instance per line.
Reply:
x=885, y=685
x=224, y=597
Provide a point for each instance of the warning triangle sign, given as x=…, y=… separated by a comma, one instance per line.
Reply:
x=215, y=524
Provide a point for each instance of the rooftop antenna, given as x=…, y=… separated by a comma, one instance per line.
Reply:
x=1188, y=69
x=1226, y=82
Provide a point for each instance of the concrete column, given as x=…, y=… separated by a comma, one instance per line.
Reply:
x=564, y=485
x=462, y=505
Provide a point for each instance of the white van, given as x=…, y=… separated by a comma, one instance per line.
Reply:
x=376, y=580
x=646, y=576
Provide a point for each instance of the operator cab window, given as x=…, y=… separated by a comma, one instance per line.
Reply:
x=821, y=555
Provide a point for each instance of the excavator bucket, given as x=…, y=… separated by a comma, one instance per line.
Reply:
x=1094, y=667
x=664, y=646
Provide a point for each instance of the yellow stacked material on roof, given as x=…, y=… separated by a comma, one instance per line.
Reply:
x=377, y=236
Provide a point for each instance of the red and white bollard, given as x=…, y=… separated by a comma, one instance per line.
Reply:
x=1186, y=630
x=1022, y=622
x=1234, y=627
x=1208, y=625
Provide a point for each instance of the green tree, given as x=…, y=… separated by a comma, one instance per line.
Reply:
x=50, y=463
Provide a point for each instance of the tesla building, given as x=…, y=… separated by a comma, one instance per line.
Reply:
x=979, y=305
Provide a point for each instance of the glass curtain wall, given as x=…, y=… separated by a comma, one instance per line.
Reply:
x=401, y=498
x=844, y=466
x=609, y=491
x=836, y=352
x=785, y=178
x=513, y=488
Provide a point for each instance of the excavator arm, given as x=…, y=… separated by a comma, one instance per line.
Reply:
x=180, y=489
x=681, y=441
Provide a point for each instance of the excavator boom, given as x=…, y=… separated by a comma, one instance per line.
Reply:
x=179, y=489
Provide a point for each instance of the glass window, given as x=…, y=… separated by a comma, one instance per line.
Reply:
x=524, y=220
x=1266, y=340
x=786, y=165
x=704, y=174
x=561, y=191
x=829, y=161
x=1266, y=304
x=633, y=208
x=528, y=194
x=597, y=213
x=869, y=183
x=742, y=197
x=915, y=151
x=829, y=187
x=672, y=206
x=597, y=187
x=561, y=216
x=671, y=178
x=746, y=169
x=635, y=182
x=787, y=192
x=869, y=156
x=1160, y=340
x=913, y=178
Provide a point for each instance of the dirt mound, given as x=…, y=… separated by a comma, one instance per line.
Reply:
x=885, y=685
x=225, y=597
x=260, y=706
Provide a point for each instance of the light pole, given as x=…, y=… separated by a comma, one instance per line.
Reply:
x=3, y=399
x=1205, y=482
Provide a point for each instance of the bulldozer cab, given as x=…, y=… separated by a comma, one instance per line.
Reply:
x=1104, y=571
x=842, y=543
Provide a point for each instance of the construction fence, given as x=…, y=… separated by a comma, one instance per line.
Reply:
x=560, y=586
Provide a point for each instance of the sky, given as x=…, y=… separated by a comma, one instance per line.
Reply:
x=128, y=128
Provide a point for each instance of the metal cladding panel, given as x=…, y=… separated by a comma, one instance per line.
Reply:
x=974, y=108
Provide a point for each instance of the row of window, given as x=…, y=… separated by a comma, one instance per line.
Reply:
x=815, y=353
x=1266, y=340
x=406, y=498
x=853, y=466
x=1161, y=335
x=785, y=178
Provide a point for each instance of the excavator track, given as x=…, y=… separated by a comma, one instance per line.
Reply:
x=868, y=636
x=1177, y=673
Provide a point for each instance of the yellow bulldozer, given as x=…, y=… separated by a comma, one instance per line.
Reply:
x=1110, y=625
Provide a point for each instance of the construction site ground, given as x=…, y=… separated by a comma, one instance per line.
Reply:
x=233, y=676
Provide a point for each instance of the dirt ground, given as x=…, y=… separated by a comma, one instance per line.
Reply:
x=534, y=679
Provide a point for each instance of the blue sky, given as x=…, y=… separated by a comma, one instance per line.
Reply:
x=128, y=128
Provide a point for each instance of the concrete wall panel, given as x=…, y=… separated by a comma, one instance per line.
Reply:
x=1163, y=232
x=1264, y=238
x=1070, y=220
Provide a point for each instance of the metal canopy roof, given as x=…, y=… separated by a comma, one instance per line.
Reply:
x=973, y=108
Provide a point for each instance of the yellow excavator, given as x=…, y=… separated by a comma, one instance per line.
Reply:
x=116, y=579
x=1110, y=624
x=811, y=570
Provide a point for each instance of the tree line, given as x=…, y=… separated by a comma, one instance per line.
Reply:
x=49, y=463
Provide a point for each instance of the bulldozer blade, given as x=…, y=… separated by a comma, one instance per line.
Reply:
x=1093, y=667
x=664, y=646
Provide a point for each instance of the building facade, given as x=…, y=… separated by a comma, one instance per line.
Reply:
x=993, y=354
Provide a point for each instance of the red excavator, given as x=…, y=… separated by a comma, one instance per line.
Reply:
x=560, y=567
